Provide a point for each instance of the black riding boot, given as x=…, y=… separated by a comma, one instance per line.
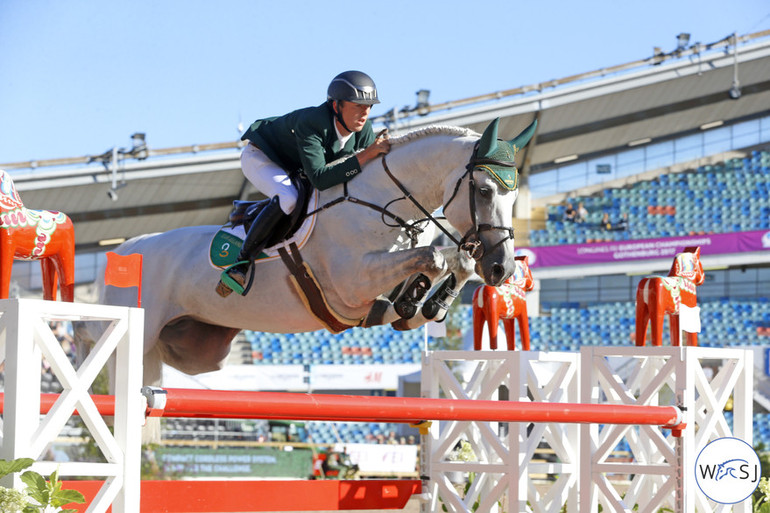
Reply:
x=234, y=278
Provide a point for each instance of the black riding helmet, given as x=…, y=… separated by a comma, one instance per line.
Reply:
x=353, y=86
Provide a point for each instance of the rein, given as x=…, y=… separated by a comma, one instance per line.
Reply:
x=470, y=242
x=412, y=229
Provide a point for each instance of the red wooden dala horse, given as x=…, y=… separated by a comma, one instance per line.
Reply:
x=44, y=235
x=506, y=302
x=657, y=296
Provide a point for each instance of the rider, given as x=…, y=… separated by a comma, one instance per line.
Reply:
x=329, y=143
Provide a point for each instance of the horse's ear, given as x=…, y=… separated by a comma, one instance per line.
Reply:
x=693, y=249
x=488, y=141
x=523, y=138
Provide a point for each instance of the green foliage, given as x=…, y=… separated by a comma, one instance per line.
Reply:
x=11, y=467
x=45, y=493
x=764, y=459
x=762, y=502
x=759, y=495
x=464, y=452
x=471, y=478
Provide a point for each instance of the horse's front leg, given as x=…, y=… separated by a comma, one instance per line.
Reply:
x=394, y=268
x=356, y=284
x=459, y=269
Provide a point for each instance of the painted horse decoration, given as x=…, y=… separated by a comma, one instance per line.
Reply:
x=370, y=236
x=44, y=235
x=507, y=303
x=657, y=296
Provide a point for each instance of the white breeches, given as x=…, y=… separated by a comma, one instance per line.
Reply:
x=268, y=177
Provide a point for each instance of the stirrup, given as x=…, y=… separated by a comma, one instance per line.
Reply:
x=228, y=282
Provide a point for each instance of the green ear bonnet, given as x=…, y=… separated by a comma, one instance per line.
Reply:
x=497, y=157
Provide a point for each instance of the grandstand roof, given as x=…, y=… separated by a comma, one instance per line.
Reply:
x=599, y=112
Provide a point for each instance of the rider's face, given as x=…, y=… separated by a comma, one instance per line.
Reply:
x=354, y=114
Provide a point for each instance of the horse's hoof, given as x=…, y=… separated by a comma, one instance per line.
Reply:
x=405, y=309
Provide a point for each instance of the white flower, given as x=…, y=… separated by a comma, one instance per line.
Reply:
x=764, y=487
x=463, y=453
x=12, y=501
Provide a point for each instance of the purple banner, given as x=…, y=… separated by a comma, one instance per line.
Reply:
x=645, y=249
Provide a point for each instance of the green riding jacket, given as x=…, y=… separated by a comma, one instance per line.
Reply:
x=306, y=140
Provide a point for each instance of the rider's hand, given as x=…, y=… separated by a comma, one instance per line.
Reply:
x=380, y=146
x=382, y=143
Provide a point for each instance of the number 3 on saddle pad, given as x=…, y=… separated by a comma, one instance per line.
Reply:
x=225, y=247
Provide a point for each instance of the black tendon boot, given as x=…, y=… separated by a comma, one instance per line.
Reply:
x=406, y=305
x=234, y=277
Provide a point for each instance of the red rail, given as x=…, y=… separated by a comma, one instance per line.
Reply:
x=189, y=403
x=104, y=403
x=179, y=402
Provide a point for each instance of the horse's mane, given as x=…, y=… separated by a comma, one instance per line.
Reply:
x=454, y=131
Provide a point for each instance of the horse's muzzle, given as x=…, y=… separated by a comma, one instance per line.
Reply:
x=495, y=268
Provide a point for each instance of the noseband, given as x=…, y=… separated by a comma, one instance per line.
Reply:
x=471, y=241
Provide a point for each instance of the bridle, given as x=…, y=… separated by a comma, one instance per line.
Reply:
x=471, y=240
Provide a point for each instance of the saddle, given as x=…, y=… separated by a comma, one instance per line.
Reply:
x=244, y=212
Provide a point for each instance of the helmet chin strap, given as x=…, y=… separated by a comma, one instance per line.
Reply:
x=335, y=108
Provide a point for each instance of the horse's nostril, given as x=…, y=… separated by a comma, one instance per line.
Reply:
x=498, y=273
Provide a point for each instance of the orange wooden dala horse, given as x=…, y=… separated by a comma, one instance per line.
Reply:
x=506, y=302
x=657, y=296
x=43, y=235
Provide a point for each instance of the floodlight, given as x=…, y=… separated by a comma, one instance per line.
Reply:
x=423, y=97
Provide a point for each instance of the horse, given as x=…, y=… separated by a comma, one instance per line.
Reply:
x=507, y=303
x=44, y=235
x=657, y=296
x=371, y=235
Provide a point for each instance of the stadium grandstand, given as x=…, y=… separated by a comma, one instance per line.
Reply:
x=668, y=151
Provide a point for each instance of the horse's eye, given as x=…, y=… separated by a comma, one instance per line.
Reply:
x=486, y=192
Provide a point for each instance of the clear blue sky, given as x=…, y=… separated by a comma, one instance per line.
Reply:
x=78, y=77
